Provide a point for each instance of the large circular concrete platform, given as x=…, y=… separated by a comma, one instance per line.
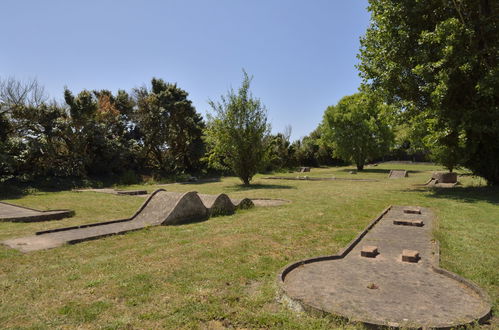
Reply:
x=384, y=290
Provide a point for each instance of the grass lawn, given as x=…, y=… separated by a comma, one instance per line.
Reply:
x=222, y=272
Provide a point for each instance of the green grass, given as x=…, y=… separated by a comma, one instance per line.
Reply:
x=222, y=272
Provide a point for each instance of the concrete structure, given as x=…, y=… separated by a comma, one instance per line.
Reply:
x=16, y=213
x=397, y=174
x=400, y=286
x=161, y=208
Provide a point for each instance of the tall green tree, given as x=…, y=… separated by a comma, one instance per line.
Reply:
x=439, y=61
x=97, y=136
x=358, y=128
x=237, y=132
x=169, y=127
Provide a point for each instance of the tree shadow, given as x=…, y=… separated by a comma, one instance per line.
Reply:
x=257, y=186
x=202, y=181
x=11, y=192
x=379, y=170
x=465, y=194
x=366, y=170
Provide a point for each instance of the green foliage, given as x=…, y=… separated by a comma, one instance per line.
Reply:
x=312, y=151
x=97, y=134
x=237, y=132
x=169, y=127
x=438, y=60
x=358, y=128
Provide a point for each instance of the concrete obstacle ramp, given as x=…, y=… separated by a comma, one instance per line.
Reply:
x=161, y=208
x=218, y=204
x=397, y=174
x=243, y=203
x=16, y=213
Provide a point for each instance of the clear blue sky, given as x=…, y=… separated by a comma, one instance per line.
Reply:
x=301, y=53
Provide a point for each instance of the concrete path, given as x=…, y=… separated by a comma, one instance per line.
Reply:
x=161, y=208
x=383, y=289
x=16, y=213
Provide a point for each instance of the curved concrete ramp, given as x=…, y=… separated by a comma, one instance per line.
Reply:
x=242, y=204
x=217, y=204
x=161, y=208
x=16, y=213
x=388, y=276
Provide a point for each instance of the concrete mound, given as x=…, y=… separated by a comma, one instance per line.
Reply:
x=242, y=204
x=442, y=180
x=161, y=208
x=218, y=204
x=16, y=213
x=397, y=174
x=388, y=276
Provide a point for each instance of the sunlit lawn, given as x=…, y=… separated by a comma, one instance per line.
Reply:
x=222, y=272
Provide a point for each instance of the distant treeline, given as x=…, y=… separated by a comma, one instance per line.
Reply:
x=149, y=132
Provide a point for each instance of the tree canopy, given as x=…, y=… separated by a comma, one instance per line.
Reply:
x=439, y=61
x=237, y=131
x=357, y=128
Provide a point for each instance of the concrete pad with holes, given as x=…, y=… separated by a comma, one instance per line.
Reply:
x=401, y=286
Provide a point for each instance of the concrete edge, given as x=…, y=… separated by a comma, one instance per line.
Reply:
x=299, y=306
x=144, y=204
x=44, y=216
x=435, y=266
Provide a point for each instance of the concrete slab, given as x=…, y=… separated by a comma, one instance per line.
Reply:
x=16, y=213
x=385, y=291
x=397, y=174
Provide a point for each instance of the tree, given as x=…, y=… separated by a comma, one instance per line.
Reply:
x=237, y=132
x=14, y=95
x=169, y=127
x=97, y=136
x=438, y=60
x=357, y=128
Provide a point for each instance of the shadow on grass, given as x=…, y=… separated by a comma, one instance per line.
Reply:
x=379, y=170
x=11, y=192
x=202, y=181
x=241, y=187
x=465, y=194
x=366, y=170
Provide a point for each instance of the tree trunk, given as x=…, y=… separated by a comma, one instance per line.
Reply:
x=360, y=167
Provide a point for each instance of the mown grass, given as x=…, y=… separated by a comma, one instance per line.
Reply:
x=222, y=272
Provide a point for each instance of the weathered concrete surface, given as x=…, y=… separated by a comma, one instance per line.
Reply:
x=242, y=203
x=114, y=191
x=397, y=174
x=445, y=177
x=16, y=213
x=161, y=208
x=384, y=290
x=218, y=204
